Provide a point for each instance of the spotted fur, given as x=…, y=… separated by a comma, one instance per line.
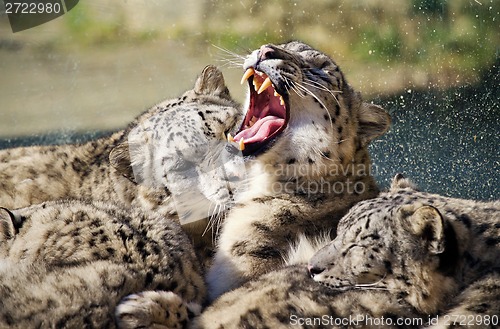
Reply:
x=67, y=264
x=308, y=176
x=440, y=255
x=167, y=150
x=289, y=298
x=302, y=183
x=423, y=259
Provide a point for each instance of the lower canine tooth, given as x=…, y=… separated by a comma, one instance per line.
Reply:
x=230, y=138
x=266, y=84
x=242, y=144
x=256, y=84
x=252, y=121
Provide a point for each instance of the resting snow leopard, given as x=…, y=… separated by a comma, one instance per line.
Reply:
x=441, y=255
x=142, y=166
x=67, y=264
x=425, y=259
x=304, y=138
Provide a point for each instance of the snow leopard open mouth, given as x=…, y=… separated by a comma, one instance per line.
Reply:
x=266, y=117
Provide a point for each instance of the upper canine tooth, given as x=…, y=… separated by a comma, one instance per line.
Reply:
x=266, y=84
x=276, y=94
x=248, y=73
x=230, y=138
x=282, y=101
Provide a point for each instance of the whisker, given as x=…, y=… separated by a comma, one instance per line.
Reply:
x=298, y=91
x=229, y=63
x=319, y=86
x=231, y=53
x=303, y=91
x=371, y=288
x=213, y=221
x=364, y=286
x=210, y=223
x=218, y=223
x=230, y=59
x=371, y=284
x=214, y=210
x=307, y=91
x=287, y=88
x=242, y=50
x=288, y=83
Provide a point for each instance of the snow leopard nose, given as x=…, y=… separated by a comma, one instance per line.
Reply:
x=266, y=52
x=315, y=270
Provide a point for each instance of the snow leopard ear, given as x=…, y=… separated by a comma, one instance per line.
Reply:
x=374, y=121
x=119, y=159
x=399, y=181
x=211, y=82
x=427, y=223
x=7, y=224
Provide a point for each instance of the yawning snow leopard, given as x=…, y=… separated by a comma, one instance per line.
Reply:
x=405, y=259
x=67, y=264
x=304, y=138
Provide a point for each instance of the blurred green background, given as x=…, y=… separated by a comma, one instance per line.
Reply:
x=104, y=62
x=433, y=64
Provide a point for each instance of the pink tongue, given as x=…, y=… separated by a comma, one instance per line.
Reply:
x=262, y=129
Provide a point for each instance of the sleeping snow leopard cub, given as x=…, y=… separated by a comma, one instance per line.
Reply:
x=441, y=255
x=431, y=260
x=147, y=165
x=67, y=264
x=304, y=137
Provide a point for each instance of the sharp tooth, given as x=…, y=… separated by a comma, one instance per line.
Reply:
x=282, y=101
x=266, y=84
x=276, y=94
x=256, y=84
x=242, y=144
x=252, y=121
x=230, y=138
x=248, y=73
